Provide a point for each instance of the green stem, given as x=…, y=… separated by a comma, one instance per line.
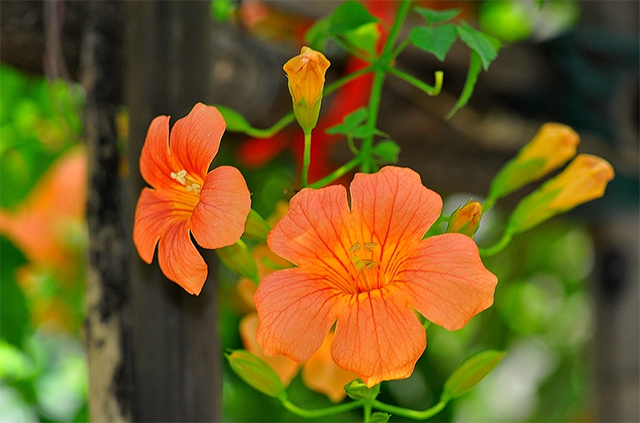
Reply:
x=405, y=412
x=430, y=90
x=342, y=170
x=306, y=159
x=381, y=67
x=498, y=246
x=274, y=129
x=367, y=412
x=335, y=85
x=314, y=414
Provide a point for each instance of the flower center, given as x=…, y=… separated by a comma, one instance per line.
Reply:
x=187, y=181
x=367, y=275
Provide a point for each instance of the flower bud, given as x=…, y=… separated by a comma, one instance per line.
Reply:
x=257, y=373
x=238, y=258
x=306, y=84
x=585, y=179
x=256, y=227
x=466, y=219
x=550, y=148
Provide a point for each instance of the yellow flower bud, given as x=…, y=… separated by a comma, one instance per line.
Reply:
x=306, y=83
x=550, y=148
x=585, y=179
x=466, y=219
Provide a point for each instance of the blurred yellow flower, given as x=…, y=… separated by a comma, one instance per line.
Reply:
x=585, y=179
x=552, y=146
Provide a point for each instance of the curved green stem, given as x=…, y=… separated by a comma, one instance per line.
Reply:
x=342, y=170
x=335, y=85
x=428, y=89
x=405, y=412
x=498, y=246
x=322, y=412
x=274, y=129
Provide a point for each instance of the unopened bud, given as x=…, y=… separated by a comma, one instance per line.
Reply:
x=466, y=219
x=550, y=148
x=238, y=258
x=306, y=84
x=256, y=227
x=585, y=179
x=257, y=373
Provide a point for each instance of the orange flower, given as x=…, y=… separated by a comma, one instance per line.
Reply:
x=466, y=219
x=319, y=373
x=185, y=198
x=366, y=268
x=306, y=83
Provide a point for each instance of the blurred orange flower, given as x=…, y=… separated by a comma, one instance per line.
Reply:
x=41, y=224
x=185, y=198
x=366, y=268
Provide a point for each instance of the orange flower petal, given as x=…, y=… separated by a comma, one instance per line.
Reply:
x=321, y=374
x=394, y=205
x=152, y=217
x=195, y=139
x=377, y=337
x=219, y=218
x=283, y=366
x=155, y=166
x=446, y=281
x=311, y=232
x=179, y=259
x=295, y=313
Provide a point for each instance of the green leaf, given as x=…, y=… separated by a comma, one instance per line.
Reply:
x=365, y=38
x=348, y=16
x=475, y=66
x=485, y=45
x=379, y=417
x=435, y=16
x=366, y=131
x=470, y=373
x=387, y=150
x=234, y=120
x=350, y=123
x=436, y=40
x=318, y=35
x=14, y=314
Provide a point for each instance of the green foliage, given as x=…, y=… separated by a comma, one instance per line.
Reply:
x=348, y=24
x=14, y=314
x=437, y=40
x=470, y=373
x=38, y=121
x=221, y=10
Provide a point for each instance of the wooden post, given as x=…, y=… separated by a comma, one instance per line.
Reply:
x=174, y=335
x=107, y=296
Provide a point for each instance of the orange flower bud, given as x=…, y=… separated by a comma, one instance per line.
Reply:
x=585, y=179
x=550, y=148
x=466, y=219
x=306, y=83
